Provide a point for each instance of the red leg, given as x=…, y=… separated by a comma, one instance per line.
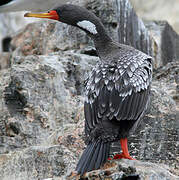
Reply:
x=125, y=152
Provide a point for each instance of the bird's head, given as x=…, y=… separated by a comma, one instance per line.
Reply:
x=72, y=15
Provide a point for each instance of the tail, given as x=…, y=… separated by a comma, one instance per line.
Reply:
x=95, y=155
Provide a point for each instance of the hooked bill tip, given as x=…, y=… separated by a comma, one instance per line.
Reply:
x=26, y=15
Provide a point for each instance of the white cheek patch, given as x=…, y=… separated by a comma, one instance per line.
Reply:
x=87, y=25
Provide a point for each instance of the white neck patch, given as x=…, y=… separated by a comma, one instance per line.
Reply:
x=89, y=26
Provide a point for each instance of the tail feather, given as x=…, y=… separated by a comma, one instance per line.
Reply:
x=94, y=156
x=104, y=156
x=93, y=160
x=88, y=155
x=88, y=152
x=108, y=150
x=100, y=157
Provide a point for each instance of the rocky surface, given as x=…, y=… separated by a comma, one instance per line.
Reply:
x=158, y=10
x=118, y=17
x=132, y=170
x=11, y=23
x=120, y=20
x=5, y=60
x=41, y=105
x=166, y=42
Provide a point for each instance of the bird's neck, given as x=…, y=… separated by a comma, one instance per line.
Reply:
x=102, y=41
x=93, y=26
x=102, y=48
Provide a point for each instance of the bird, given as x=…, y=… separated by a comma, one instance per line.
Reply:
x=29, y=5
x=117, y=90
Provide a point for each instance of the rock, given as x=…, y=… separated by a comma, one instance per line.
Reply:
x=134, y=170
x=158, y=10
x=11, y=23
x=39, y=95
x=131, y=28
x=36, y=162
x=4, y=60
x=122, y=24
x=166, y=42
x=59, y=37
x=42, y=107
x=169, y=75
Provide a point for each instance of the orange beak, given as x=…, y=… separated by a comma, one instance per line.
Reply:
x=51, y=15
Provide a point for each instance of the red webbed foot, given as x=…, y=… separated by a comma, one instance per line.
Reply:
x=125, y=152
x=123, y=156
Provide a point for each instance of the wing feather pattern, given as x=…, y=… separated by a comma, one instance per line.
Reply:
x=119, y=90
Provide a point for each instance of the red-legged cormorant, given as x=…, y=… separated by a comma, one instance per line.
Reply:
x=117, y=89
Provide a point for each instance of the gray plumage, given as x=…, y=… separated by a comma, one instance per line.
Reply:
x=118, y=89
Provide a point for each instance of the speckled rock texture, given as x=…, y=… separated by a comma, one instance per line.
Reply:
x=41, y=107
x=131, y=170
x=5, y=60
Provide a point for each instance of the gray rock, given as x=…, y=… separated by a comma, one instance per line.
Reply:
x=36, y=162
x=4, y=60
x=166, y=42
x=158, y=10
x=11, y=23
x=122, y=24
x=41, y=106
x=58, y=37
x=131, y=29
x=137, y=170
x=39, y=95
x=118, y=17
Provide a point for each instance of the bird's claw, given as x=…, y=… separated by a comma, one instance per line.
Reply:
x=121, y=156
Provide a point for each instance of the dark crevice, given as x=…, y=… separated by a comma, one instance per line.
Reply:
x=15, y=127
x=90, y=52
x=14, y=100
x=114, y=25
x=130, y=177
x=6, y=44
x=73, y=78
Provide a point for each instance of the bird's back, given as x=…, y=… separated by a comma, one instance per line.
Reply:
x=117, y=92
